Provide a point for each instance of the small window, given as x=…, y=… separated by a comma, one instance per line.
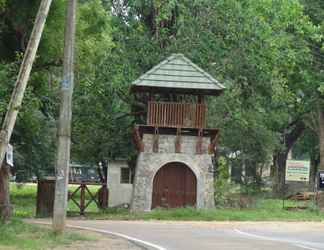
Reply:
x=126, y=175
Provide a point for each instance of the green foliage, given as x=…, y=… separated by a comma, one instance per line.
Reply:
x=2, y=4
x=93, y=36
x=222, y=182
x=7, y=72
x=35, y=132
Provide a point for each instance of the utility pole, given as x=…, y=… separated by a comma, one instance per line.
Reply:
x=64, y=127
x=321, y=133
x=22, y=79
x=320, y=196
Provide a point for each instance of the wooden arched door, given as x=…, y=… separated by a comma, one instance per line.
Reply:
x=174, y=185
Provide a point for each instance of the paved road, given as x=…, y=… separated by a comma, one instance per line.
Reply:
x=216, y=235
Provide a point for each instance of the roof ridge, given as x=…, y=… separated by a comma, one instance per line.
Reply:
x=210, y=77
x=181, y=66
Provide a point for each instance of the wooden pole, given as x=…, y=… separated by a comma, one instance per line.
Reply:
x=64, y=127
x=22, y=79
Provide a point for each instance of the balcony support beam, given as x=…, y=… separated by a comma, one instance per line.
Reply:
x=138, y=139
x=156, y=140
x=213, y=143
x=178, y=141
x=199, y=142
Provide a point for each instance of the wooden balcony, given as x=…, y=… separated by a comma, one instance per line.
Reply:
x=177, y=115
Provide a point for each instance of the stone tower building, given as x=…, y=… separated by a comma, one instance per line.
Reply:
x=174, y=164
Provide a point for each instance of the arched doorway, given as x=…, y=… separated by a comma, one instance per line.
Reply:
x=174, y=185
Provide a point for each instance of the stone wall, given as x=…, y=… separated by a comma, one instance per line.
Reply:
x=167, y=144
x=148, y=163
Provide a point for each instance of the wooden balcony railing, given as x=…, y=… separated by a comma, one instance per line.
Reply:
x=169, y=114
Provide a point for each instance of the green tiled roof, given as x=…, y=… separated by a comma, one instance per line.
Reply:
x=177, y=73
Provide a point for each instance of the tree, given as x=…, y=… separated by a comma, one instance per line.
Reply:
x=263, y=51
x=15, y=102
x=22, y=79
x=315, y=10
x=35, y=111
x=34, y=135
x=258, y=49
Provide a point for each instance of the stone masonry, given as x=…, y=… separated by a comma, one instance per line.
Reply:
x=149, y=162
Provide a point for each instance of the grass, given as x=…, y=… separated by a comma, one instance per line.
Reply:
x=269, y=210
x=24, y=200
x=17, y=235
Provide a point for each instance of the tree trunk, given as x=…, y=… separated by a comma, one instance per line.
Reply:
x=314, y=162
x=103, y=195
x=279, y=161
x=296, y=129
x=5, y=207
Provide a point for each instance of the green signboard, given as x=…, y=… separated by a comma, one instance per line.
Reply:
x=297, y=170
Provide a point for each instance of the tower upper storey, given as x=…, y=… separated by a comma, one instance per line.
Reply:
x=174, y=91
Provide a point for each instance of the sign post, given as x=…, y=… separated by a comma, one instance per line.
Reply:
x=297, y=171
x=9, y=156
